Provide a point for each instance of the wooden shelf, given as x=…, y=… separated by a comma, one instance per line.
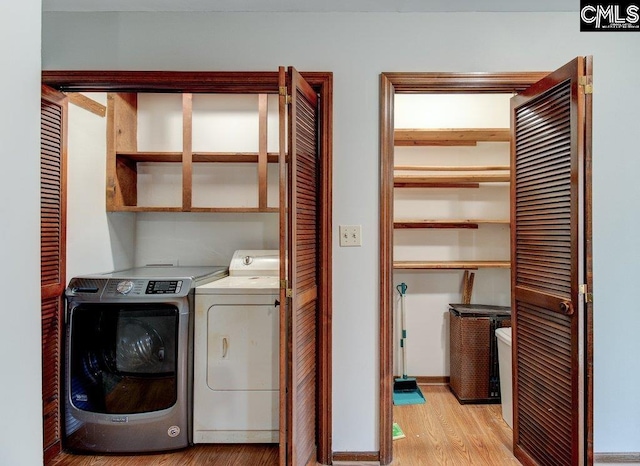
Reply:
x=449, y=176
x=450, y=136
x=450, y=265
x=198, y=157
x=469, y=224
x=452, y=168
x=467, y=180
x=232, y=157
x=199, y=209
x=123, y=157
x=463, y=178
x=246, y=210
x=161, y=157
x=132, y=208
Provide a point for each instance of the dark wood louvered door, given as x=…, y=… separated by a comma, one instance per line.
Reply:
x=550, y=202
x=299, y=248
x=52, y=246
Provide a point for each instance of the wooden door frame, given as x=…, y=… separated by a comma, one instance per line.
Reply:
x=247, y=82
x=392, y=83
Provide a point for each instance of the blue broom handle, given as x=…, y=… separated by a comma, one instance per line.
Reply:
x=402, y=289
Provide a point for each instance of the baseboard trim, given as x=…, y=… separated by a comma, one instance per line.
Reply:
x=432, y=380
x=356, y=456
x=625, y=457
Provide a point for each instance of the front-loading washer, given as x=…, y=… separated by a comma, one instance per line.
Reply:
x=128, y=359
x=236, y=353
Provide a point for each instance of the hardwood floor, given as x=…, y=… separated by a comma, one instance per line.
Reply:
x=439, y=432
x=198, y=455
x=444, y=432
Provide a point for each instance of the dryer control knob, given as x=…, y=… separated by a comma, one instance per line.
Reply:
x=124, y=287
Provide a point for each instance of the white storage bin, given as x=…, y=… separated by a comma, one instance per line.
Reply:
x=506, y=384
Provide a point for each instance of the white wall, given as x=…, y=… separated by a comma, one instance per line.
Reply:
x=221, y=123
x=357, y=48
x=21, y=387
x=96, y=241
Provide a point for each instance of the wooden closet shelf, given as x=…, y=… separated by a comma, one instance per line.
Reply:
x=124, y=155
x=470, y=224
x=135, y=208
x=448, y=179
x=450, y=265
x=248, y=210
x=217, y=157
x=435, y=185
x=199, y=209
x=449, y=137
x=452, y=168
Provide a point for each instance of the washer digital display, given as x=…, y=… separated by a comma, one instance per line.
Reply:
x=163, y=287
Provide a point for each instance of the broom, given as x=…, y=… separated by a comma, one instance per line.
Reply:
x=405, y=389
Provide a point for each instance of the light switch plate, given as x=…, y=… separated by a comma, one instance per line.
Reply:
x=350, y=235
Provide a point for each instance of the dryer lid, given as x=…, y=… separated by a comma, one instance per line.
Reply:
x=255, y=262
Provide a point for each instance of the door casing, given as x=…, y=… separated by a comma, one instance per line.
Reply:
x=422, y=83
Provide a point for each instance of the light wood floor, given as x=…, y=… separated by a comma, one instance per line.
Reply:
x=198, y=455
x=444, y=432
x=439, y=432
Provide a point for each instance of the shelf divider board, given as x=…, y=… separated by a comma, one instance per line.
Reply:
x=187, y=151
x=450, y=265
x=111, y=184
x=262, y=150
x=449, y=137
x=122, y=130
x=126, y=120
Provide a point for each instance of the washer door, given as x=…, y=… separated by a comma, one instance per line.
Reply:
x=123, y=358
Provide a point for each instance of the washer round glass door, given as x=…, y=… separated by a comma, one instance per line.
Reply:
x=123, y=358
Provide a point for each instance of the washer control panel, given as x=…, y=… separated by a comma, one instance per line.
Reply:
x=123, y=287
x=142, y=284
x=140, y=288
x=164, y=287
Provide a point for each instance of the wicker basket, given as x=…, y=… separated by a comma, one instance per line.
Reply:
x=473, y=359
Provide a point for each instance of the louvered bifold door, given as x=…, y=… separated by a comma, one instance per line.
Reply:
x=548, y=266
x=52, y=256
x=302, y=216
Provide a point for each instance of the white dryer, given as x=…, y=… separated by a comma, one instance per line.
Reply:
x=236, y=353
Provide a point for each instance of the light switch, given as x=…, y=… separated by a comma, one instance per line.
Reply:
x=350, y=235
